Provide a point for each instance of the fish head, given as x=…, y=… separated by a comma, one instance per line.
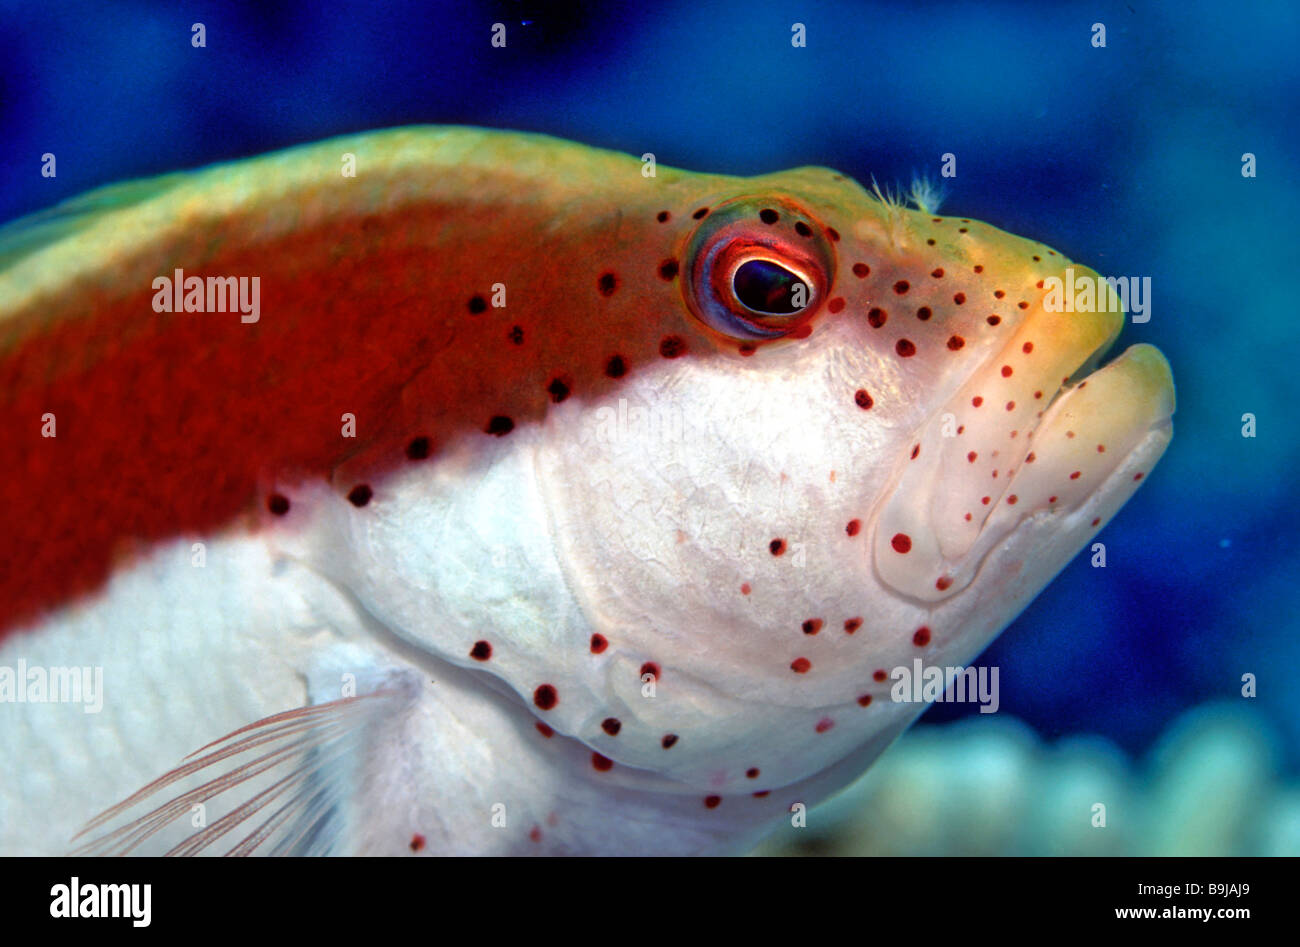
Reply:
x=867, y=440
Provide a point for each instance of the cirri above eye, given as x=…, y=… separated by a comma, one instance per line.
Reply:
x=756, y=270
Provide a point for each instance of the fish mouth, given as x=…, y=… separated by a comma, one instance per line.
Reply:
x=1037, y=431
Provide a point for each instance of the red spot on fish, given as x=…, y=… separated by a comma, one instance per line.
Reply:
x=905, y=348
x=477, y=304
x=500, y=425
x=861, y=270
x=417, y=842
x=924, y=313
x=824, y=724
x=993, y=320
x=901, y=542
x=971, y=455
x=672, y=346
x=1006, y=371
x=667, y=269
x=668, y=740
x=599, y=643
x=418, y=448
x=1027, y=347
x=650, y=669
x=853, y=527
x=1012, y=499
x=862, y=399
x=852, y=624
x=516, y=335
x=1096, y=521
x=545, y=697
x=876, y=317
x=744, y=588
x=800, y=665
x=901, y=287
x=1011, y=406
x=864, y=700
x=768, y=216
x=812, y=626
x=278, y=504
x=836, y=304
x=616, y=367
x=558, y=390
x=481, y=651
x=1076, y=475
x=601, y=763
x=1137, y=476
x=879, y=675
x=607, y=284
x=611, y=725
x=937, y=272
x=535, y=834
x=922, y=637
x=762, y=794
x=752, y=772
x=701, y=213
x=544, y=730
x=712, y=802
x=776, y=547
x=955, y=342
x=360, y=495
x=943, y=582
x=663, y=216
x=977, y=401
x=959, y=298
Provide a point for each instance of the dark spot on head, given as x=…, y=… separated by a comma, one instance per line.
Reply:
x=959, y=298
x=417, y=842
x=747, y=348
x=278, y=504
x=516, y=335
x=699, y=214
x=545, y=697
x=956, y=342
x=481, y=651
x=558, y=390
x=922, y=637
x=802, y=229
x=668, y=740
x=360, y=494
x=854, y=527
x=864, y=700
x=905, y=348
x=616, y=367
x=901, y=542
x=998, y=294
x=672, y=346
x=812, y=626
x=544, y=730
x=611, y=725
x=598, y=643
x=833, y=234
x=937, y=272
x=901, y=287
x=601, y=763
x=650, y=668
x=477, y=304
x=800, y=665
x=836, y=304
x=418, y=449
x=924, y=313
x=879, y=675
x=667, y=269
x=862, y=399
x=768, y=216
x=500, y=425
x=751, y=773
x=876, y=317
x=776, y=547
x=852, y=624
x=712, y=802
x=663, y=216
x=861, y=270
x=993, y=320
x=607, y=283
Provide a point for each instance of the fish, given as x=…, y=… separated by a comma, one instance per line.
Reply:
x=445, y=491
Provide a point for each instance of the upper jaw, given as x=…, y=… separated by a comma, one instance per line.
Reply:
x=1030, y=432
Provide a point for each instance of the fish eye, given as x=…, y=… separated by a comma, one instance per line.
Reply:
x=767, y=287
x=756, y=269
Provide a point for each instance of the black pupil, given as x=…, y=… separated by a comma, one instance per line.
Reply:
x=768, y=287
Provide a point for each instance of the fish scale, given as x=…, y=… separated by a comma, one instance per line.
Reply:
x=653, y=481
